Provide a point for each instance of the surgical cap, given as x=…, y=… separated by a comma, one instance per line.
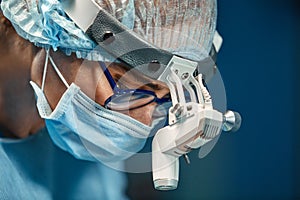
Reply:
x=183, y=27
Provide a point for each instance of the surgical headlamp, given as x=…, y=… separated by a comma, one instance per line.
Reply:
x=193, y=122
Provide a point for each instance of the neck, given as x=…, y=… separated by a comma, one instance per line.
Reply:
x=18, y=117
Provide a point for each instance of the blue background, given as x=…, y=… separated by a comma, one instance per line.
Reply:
x=259, y=63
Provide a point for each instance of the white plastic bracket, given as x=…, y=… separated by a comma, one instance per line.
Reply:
x=178, y=75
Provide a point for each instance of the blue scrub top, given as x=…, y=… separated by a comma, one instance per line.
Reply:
x=34, y=168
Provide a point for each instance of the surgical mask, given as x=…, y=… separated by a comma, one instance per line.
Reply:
x=88, y=131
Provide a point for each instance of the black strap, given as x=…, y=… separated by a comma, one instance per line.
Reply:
x=134, y=51
x=127, y=46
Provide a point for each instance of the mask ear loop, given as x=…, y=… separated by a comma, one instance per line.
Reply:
x=58, y=72
x=45, y=69
x=48, y=57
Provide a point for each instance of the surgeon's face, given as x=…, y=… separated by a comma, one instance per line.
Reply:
x=89, y=76
x=132, y=79
x=125, y=78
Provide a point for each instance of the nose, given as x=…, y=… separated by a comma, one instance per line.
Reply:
x=147, y=113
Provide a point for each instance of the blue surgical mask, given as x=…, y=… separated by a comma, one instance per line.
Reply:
x=88, y=131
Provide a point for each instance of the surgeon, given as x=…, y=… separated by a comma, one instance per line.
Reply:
x=61, y=118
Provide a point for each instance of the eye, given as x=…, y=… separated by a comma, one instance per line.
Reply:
x=152, y=86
